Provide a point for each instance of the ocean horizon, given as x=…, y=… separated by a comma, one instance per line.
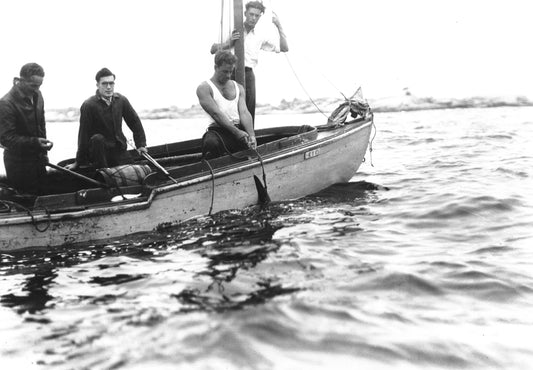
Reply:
x=405, y=102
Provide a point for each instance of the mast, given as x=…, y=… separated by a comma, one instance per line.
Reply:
x=239, y=44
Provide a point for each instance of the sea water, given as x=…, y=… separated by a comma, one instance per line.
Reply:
x=422, y=261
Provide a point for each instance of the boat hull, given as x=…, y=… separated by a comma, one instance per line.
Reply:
x=290, y=173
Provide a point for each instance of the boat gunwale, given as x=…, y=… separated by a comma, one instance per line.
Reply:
x=267, y=158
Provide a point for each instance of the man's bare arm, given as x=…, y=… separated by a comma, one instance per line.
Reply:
x=209, y=105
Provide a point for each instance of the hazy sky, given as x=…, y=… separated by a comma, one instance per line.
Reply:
x=159, y=49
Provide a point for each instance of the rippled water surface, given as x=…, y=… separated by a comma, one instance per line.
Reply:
x=422, y=261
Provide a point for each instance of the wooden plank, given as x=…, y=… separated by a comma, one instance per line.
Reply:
x=239, y=44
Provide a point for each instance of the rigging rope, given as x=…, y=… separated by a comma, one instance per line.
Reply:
x=357, y=106
x=302, y=86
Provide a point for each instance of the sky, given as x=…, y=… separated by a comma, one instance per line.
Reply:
x=159, y=49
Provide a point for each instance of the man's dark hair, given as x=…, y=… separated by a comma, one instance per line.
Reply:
x=104, y=72
x=224, y=57
x=31, y=69
x=256, y=5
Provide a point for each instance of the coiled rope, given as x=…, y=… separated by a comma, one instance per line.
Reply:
x=13, y=205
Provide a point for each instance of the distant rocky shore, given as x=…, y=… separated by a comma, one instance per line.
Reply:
x=300, y=106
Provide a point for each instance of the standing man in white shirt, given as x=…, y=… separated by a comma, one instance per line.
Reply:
x=253, y=44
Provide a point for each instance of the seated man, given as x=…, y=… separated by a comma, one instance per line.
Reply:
x=224, y=101
x=101, y=142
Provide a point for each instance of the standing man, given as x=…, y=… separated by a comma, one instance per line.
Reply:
x=101, y=142
x=23, y=131
x=253, y=43
x=223, y=100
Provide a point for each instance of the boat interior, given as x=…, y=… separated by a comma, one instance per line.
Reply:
x=132, y=183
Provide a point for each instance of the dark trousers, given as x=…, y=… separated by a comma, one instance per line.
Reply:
x=103, y=155
x=26, y=174
x=217, y=142
x=249, y=88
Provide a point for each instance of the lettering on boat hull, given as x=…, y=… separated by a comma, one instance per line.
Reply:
x=312, y=153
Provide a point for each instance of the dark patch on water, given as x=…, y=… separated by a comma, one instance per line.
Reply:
x=401, y=282
x=346, y=191
x=493, y=250
x=197, y=300
x=34, y=294
x=116, y=279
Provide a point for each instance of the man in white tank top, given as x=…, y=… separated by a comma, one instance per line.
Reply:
x=223, y=99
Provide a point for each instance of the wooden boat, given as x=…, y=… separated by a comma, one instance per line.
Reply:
x=177, y=184
x=290, y=162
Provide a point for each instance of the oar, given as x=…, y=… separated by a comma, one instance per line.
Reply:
x=78, y=175
x=158, y=166
x=150, y=159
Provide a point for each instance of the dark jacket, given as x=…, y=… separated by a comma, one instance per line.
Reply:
x=21, y=123
x=96, y=117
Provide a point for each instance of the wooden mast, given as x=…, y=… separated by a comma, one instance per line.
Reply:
x=239, y=44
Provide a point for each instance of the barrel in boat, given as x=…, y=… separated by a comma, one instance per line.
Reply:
x=124, y=175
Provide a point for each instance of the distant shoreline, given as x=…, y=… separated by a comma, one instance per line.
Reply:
x=327, y=105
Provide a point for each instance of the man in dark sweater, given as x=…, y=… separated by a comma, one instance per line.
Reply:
x=23, y=131
x=101, y=142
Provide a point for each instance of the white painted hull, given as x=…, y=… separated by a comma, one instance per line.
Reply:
x=290, y=174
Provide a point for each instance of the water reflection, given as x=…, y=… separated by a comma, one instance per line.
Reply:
x=162, y=288
x=228, y=241
x=232, y=243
